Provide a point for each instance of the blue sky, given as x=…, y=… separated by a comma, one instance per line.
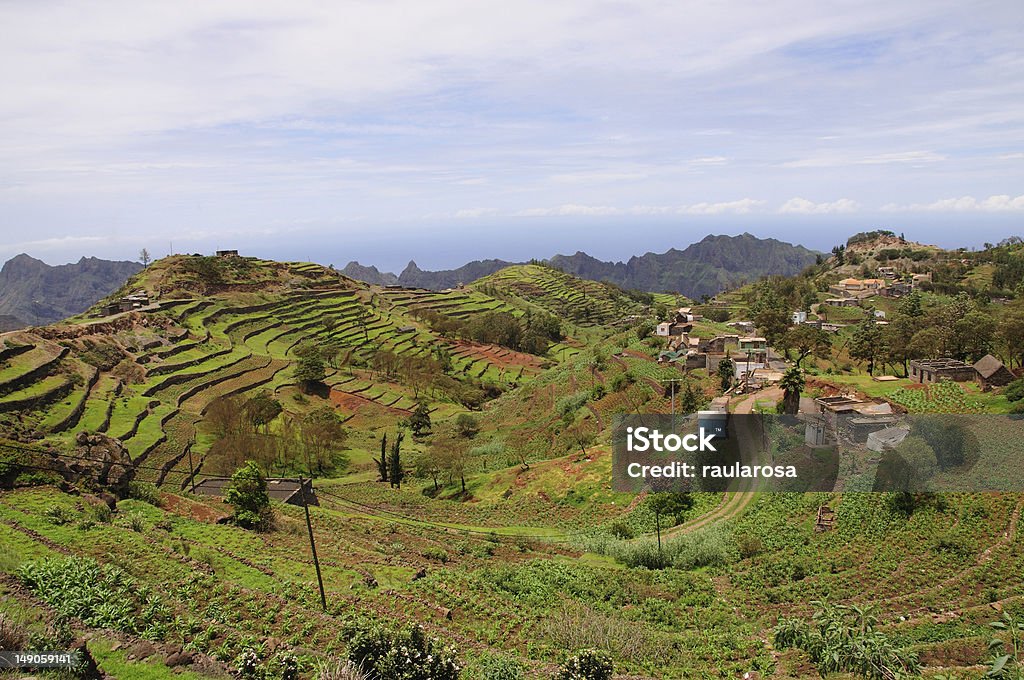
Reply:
x=446, y=131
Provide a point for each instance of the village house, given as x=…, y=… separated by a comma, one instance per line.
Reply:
x=935, y=370
x=284, y=490
x=227, y=253
x=992, y=372
x=921, y=278
x=799, y=317
x=886, y=272
x=898, y=289
x=672, y=328
x=857, y=287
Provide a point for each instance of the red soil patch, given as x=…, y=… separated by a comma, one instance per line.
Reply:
x=355, y=404
x=499, y=356
x=185, y=507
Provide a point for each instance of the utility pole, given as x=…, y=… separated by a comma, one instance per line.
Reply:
x=672, y=386
x=312, y=543
x=191, y=469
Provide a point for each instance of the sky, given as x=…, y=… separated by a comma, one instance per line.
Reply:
x=445, y=131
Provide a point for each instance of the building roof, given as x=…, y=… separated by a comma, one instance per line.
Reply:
x=849, y=282
x=988, y=365
x=284, y=490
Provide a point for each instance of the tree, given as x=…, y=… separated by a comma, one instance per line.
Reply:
x=792, y=384
x=866, y=343
x=971, y=336
x=668, y=505
x=261, y=410
x=726, y=370
x=806, y=340
x=309, y=371
x=467, y=425
x=248, y=495
x=691, y=398
x=322, y=438
x=419, y=421
x=1010, y=335
x=144, y=257
x=382, y=462
x=395, y=472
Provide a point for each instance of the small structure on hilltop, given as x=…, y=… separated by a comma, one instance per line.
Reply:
x=227, y=253
x=992, y=372
x=935, y=370
x=284, y=490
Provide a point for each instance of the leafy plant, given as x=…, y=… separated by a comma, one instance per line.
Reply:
x=587, y=665
x=402, y=655
x=1008, y=662
x=843, y=639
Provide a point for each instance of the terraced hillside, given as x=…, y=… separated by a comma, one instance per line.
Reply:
x=566, y=296
x=232, y=327
x=503, y=535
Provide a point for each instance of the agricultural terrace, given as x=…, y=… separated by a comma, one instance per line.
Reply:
x=567, y=297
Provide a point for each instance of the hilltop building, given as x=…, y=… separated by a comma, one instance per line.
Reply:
x=992, y=372
x=935, y=370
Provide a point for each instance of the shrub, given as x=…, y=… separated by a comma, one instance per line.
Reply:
x=248, y=495
x=843, y=639
x=1015, y=390
x=622, y=530
x=436, y=553
x=58, y=515
x=384, y=653
x=587, y=665
x=135, y=521
x=501, y=668
x=339, y=670
x=145, y=492
x=14, y=636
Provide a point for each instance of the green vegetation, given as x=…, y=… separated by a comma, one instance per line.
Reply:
x=460, y=447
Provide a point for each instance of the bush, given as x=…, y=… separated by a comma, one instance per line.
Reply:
x=587, y=665
x=436, y=553
x=621, y=530
x=384, y=653
x=501, y=668
x=145, y=492
x=248, y=495
x=1015, y=390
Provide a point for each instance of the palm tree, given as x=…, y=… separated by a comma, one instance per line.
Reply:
x=792, y=384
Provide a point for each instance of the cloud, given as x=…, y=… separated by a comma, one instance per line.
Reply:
x=740, y=207
x=802, y=206
x=571, y=209
x=848, y=159
x=992, y=204
x=472, y=213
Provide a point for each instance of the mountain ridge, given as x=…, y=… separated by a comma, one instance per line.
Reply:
x=34, y=293
x=708, y=267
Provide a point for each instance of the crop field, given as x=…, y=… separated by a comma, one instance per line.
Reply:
x=558, y=293
x=502, y=536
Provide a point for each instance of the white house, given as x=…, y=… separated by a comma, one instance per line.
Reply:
x=799, y=317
